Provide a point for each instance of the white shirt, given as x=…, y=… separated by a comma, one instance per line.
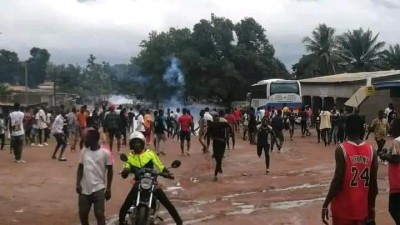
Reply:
x=41, y=118
x=207, y=116
x=2, y=126
x=396, y=146
x=245, y=119
x=176, y=116
x=58, y=125
x=140, y=126
x=17, y=123
x=387, y=111
x=94, y=169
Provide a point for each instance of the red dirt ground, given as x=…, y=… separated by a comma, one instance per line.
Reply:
x=42, y=191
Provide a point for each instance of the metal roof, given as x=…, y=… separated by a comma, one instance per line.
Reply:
x=387, y=85
x=262, y=82
x=351, y=77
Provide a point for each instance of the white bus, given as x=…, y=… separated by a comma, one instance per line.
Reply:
x=274, y=93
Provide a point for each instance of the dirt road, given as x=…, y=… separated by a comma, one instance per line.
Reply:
x=42, y=191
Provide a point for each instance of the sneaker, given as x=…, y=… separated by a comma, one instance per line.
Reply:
x=33, y=144
x=22, y=161
x=46, y=144
x=40, y=145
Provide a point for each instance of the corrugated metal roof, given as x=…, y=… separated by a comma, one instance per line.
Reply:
x=350, y=77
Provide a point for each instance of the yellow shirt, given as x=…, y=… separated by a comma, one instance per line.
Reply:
x=380, y=128
x=147, y=120
x=325, y=120
x=147, y=159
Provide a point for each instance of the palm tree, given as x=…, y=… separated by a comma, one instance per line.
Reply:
x=391, y=57
x=322, y=46
x=360, y=50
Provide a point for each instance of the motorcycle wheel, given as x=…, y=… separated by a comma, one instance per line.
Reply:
x=142, y=216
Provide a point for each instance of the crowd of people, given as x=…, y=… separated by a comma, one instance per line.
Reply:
x=94, y=129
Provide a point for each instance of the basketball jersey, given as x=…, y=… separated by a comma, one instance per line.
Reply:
x=351, y=201
x=394, y=169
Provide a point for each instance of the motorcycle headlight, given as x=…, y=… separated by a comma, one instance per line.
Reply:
x=146, y=183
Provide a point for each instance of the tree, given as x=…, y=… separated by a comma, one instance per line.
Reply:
x=37, y=65
x=360, y=50
x=322, y=46
x=4, y=90
x=391, y=57
x=11, y=70
x=214, y=64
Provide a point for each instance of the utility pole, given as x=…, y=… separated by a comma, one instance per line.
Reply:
x=54, y=89
x=26, y=83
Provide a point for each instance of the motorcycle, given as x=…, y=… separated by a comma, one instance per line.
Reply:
x=144, y=210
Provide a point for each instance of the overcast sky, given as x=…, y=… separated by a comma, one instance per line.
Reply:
x=112, y=29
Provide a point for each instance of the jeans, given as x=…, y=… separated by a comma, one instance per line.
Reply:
x=2, y=139
x=325, y=134
x=380, y=143
x=16, y=144
x=394, y=207
x=260, y=149
x=230, y=134
x=159, y=194
x=60, y=143
x=97, y=199
x=160, y=137
x=218, y=151
x=334, y=134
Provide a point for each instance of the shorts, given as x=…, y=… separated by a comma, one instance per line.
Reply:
x=114, y=133
x=185, y=135
x=340, y=221
x=308, y=122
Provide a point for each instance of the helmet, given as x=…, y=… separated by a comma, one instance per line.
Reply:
x=137, y=141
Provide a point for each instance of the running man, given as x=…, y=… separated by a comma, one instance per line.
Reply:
x=185, y=122
x=354, y=186
x=217, y=132
x=264, y=130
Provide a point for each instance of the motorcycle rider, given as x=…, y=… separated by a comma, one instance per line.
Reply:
x=140, y=157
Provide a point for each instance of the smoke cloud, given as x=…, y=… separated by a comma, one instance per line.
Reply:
x=174, y=79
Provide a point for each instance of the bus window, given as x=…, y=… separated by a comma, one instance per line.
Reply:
x=259, y=92
x=284, y=88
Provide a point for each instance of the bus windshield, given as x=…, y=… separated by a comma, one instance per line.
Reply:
x=284, y=88
x=259, y=91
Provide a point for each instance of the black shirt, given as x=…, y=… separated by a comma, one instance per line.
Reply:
x=277, y=123
x=262, y=137
x=217, y=129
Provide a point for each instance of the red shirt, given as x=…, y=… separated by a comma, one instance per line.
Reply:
x=237, y=114
x=230, y=118
x=351, y=202
x=186, y=122
x=394, y=178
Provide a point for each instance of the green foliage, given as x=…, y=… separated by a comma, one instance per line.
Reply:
x=11, y=70
x=360, y=50
x=37, y=65
x=212, y=63
x=4, y=90
x=390, y=58
x=353, y=51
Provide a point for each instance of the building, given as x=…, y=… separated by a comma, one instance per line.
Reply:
x=43, y=94
x=338, y=89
